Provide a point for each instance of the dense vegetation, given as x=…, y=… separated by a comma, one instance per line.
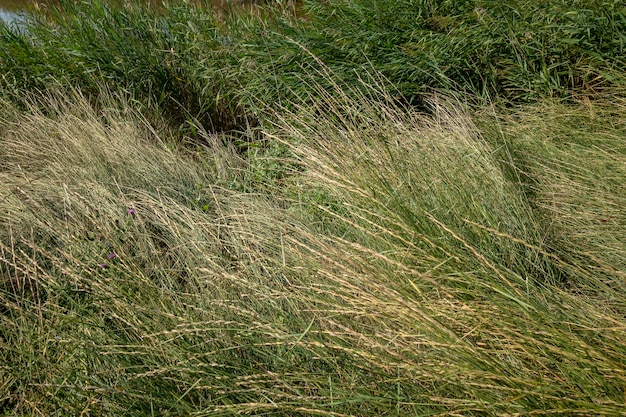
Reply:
x=185, y=62
x=338, y=208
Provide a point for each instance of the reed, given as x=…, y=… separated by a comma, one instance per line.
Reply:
x=185, y=62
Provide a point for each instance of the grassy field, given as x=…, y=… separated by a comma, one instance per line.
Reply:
x=292, y=212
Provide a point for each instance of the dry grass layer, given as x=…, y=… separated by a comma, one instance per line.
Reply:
x=451, y=264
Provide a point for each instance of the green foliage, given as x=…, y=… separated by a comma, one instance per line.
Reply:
x=248, y=215
x=182, y=62
x=170, y=60
x=521, y=50
x=399, y=268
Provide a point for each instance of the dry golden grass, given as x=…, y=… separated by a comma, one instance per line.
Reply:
x=404, y=267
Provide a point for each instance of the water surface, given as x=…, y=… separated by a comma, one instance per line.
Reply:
x=11, y=16
x=7, y=16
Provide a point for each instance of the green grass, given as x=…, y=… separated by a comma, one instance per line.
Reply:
x=375, y=208
x=183, y=62
x=518, y=50
x=166, y=59
x=403, y=267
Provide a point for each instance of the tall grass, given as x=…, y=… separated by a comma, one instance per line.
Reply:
x=170, y=60
x=183, y=62
x=406, y=265
x=573, y=164
x=520, y=50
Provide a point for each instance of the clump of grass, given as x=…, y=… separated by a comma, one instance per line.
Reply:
x=426, y=230
x=521, y=51
x=572, y=161
x=109, y=239
x=171, y=59
x=399, y=270
x=183, y=62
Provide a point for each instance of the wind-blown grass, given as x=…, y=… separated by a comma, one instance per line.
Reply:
x=519, y=50
x=572, y=161
x=407, y=264
x=170, y=60
x=185, y=63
